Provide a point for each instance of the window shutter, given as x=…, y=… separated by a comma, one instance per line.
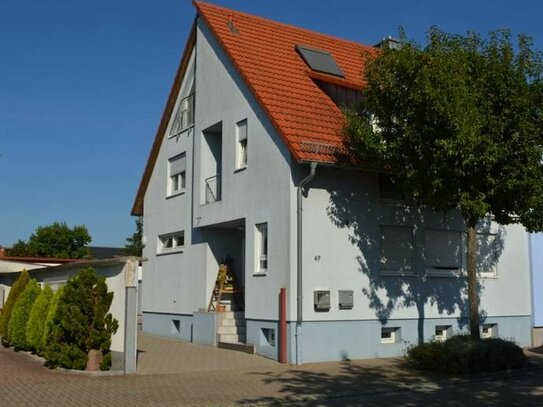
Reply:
x=442, y=249
x=396, y=249
x=242, y=130
x=177, y=165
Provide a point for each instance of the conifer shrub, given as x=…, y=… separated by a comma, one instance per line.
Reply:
x=81, y=322
x=50, y=315
x=35, y=326
x=21, y=312
x=462, y=354
x=16, y=290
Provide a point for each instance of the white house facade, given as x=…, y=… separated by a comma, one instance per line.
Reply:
x=244, y=169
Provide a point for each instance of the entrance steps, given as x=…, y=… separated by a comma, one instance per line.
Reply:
x=232, y=332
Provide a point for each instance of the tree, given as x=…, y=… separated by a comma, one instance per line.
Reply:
x=81, y=322
x=458, y=124
x=14, y=293
x=19, y=317
x=56, y=240
x=134, y=245
x=35, y=326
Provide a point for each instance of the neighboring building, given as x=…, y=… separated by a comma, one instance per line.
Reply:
x=253, y=116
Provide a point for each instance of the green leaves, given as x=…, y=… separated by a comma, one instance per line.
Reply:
x=460, y=124
x=56, y=240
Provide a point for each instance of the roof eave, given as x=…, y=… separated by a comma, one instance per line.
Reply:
x=137, y=207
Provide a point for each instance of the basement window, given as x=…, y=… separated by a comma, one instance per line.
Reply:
x=319, y=60
x=442, y=332
x=390, y=335
x=489, y=331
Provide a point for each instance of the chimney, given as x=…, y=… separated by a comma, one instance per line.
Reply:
x=388, y=43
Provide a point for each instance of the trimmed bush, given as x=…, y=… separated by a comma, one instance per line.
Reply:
x=19, y=317
x=16, y=290
x=461, y=354
x=51, y=314
x=35, y=326
x=81, y=322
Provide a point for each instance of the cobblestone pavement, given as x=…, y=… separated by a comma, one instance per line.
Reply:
x=24, y=382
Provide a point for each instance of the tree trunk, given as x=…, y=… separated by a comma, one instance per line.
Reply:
x=473, y=296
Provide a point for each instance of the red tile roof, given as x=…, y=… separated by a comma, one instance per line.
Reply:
x=263, y=51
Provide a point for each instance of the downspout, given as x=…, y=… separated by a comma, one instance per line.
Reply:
x=299, y=290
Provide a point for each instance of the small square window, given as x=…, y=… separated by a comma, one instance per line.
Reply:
x=390, y=335
x=172, y=242
x=241, y=136
x=268, y=336
x=176, y=326
x=388, y=191
x=443, y=332
x=261, y=248
x=177, y=174
x=489, y=331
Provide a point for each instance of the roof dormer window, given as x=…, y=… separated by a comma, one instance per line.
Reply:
x=319, y=60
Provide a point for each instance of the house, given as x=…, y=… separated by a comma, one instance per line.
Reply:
x=246, y=168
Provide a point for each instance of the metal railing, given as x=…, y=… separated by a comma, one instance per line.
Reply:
x=213, y=189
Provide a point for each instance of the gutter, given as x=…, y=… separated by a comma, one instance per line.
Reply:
x=299, y=288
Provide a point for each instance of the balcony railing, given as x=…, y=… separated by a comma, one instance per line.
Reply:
x=213, y=189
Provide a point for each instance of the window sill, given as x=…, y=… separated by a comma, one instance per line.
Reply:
x=171, y=251
x=176, y=194
x=179, y=133
x=445, y=273
x=240, y=169
x=261, y=274
x=387, y=273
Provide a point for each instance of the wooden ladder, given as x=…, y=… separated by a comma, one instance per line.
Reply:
x=226, y=283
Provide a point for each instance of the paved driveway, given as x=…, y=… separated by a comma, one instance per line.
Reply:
x=24, y=382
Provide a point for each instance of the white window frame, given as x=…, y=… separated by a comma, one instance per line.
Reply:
x=442, y=332
x=242, y=135
x=261, y=248
x=183, y=118
x=409, y=260
x=491, y=331
x=177, y=177
x=392, y=335
x=446, y=270
x=177, y=244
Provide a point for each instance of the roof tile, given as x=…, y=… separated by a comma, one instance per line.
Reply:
x=264, y=53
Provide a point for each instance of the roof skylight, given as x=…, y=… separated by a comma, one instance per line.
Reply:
x=319, y=60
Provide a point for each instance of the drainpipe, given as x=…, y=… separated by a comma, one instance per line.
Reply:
x=299, y=291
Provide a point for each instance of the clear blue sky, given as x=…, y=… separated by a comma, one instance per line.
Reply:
x=83, y=84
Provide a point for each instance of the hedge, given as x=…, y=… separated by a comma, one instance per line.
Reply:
x=81, y=322
x=16, y=290
x=35, y=326
x=21, y=312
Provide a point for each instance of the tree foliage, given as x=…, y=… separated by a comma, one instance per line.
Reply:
x=458, y=124
x=56, y=240
x=35, y=326
x=134, y=244
x=51, y=312
x=81, y=321
x=14, y=293
x=21, y=312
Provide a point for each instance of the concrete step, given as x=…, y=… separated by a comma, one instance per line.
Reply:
x=233, y=322
x=230, y=338
x=238, y=346
x=238, y=330
x=233, y=315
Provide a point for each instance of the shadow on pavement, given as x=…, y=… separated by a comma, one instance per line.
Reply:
x=395, y=384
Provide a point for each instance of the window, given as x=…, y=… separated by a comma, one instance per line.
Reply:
x=241, y=136
x=443, y=332
x=261, y=248
x=177, y=174
x=388, y=192
x=396, y=250
x=172, y=242
x=390, y=335
x=487, y=257
x=443, y=251
x=268, y=336
x=489, y=331
x=319, y=60
x=184, y=116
